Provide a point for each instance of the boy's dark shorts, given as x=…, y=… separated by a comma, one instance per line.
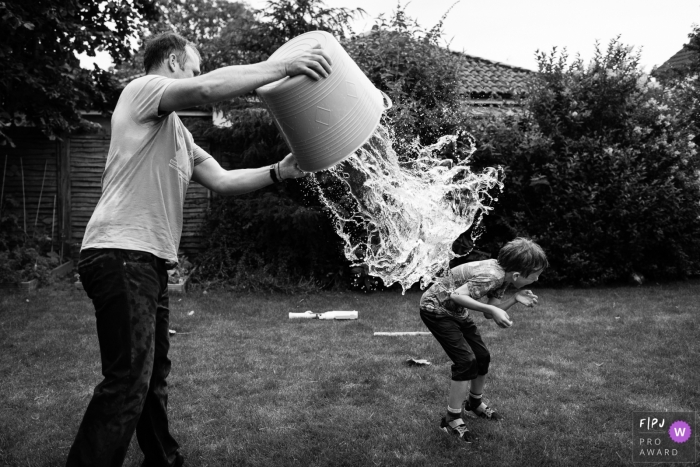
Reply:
x=462, y=342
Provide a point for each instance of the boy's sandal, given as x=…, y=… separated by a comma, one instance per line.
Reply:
x=457, y=428
x=483, y=411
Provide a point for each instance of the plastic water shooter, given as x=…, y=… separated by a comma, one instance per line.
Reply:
x=327, y=315
x=324, y=121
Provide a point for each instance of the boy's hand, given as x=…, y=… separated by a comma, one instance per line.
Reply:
x=501, y=317
x=526, y=297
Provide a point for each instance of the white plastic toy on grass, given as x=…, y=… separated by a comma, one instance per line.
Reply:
x=403, y=333
x=327, y=315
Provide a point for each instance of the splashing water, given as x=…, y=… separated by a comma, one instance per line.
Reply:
x=399, y=220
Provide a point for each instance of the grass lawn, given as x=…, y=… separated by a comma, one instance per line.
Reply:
x=251, y=387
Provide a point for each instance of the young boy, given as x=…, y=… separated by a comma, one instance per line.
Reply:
x=444, y=308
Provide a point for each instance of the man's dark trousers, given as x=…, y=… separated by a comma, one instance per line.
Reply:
x=129, y=290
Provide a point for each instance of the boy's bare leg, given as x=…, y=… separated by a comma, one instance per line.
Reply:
x=458, y=391
x=474, y=406
x=453, y=423
x=477, y=384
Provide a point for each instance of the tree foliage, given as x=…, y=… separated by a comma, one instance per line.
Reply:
x=601, y=169
x=683, y=83
x=282, y=20
x=419, y=74
x=202, y=22
x=42, y=82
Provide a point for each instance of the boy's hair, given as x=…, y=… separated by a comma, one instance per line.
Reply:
x=162, y=45
x=522, y=255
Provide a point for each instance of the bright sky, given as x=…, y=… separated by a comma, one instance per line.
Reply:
x=510, y=31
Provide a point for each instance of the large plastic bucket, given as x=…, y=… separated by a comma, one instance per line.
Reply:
x=324, y=121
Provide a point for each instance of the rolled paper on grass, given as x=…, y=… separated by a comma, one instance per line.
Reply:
x=327, y=315
x=403, y=333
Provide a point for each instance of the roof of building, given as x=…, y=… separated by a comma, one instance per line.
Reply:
x=679, y=60
x=484, y=78
x=488, y=79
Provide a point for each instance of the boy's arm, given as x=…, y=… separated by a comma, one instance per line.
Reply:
x=525, y=297
x=461, y=297
x=503, y=305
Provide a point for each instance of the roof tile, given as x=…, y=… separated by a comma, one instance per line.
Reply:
x=678, y=60
x=480, y=75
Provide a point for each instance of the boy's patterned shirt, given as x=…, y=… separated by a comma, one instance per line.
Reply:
x=483, y=278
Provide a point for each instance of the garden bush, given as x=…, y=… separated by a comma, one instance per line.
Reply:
x=278, y=238
x=421, y=76
x=601, y=169
x=24, y=256
x=26, y=263
x=268, y=241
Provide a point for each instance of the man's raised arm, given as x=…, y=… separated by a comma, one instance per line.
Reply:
x=231, y=81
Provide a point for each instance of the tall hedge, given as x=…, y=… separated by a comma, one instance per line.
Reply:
x=601, y=169
x=277, y=238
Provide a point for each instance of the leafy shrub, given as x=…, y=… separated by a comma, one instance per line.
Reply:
x=23, y=264
x=23, y=256
x=183, y=269
x=277, y=238
x=11, y=233
x=422, y=78
x=268, y=241
x=599, y=169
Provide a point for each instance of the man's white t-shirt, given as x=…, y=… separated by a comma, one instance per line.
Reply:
x=149, y=166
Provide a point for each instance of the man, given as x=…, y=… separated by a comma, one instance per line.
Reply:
x=136, y=229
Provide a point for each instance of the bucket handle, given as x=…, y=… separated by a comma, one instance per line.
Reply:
x=387, y=101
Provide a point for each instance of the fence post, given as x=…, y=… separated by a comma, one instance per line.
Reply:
x=64, y=204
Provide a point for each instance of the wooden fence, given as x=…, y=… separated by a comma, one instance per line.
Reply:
x=30, y=179
x=70, y=171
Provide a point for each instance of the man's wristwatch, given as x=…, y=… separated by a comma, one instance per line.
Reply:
x=273, y=174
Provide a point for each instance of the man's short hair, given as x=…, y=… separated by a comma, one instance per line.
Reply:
x=522, y=255
x=162, y=45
